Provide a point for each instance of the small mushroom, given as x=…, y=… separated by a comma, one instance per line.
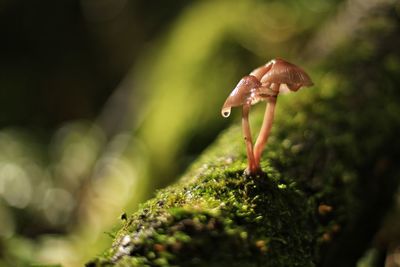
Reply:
x=278, y=75
x=263, y=84
x=324, y=209
x=245, y=94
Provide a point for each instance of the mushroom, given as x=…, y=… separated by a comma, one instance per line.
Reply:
x=278, y=75
x=245, y=94
x=263, y=83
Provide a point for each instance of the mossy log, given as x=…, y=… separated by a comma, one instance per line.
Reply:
x=330, y=174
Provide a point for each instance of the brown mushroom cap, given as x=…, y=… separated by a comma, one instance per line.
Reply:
x=286, y=74
x=243, y=93
x=261, y=71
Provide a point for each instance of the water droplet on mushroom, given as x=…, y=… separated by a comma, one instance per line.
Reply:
x=226, y=112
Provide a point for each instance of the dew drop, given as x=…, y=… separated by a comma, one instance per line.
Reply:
x=226, y=112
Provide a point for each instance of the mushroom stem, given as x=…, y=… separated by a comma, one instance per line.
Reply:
x=265, y=130
x=251, y=168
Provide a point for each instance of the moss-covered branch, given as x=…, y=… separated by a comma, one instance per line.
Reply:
x=330, y=175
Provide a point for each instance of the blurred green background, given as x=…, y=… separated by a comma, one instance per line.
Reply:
x=104, y=101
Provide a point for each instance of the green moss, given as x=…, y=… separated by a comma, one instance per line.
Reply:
x=239, y=215
x=323, y=150
x=248, y=220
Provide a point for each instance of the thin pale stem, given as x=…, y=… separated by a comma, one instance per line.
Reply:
x=265, y=130
x=251, y=168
